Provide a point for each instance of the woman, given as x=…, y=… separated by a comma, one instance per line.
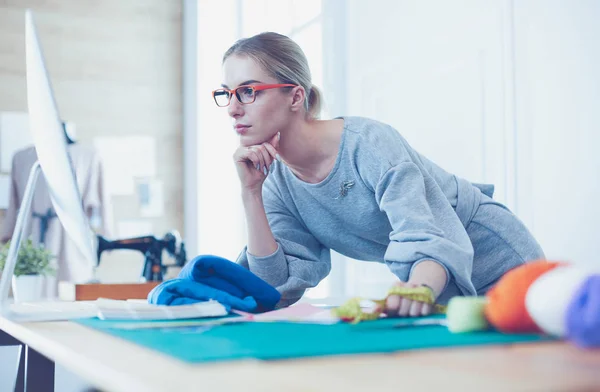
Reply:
x=353, y=185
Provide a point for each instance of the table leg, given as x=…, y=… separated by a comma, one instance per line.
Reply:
x=8, y=340
x=39, y=372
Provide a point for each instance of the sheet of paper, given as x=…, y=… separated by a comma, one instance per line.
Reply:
x=14, y=136
x=151, y=199
x=302, y=313
x=4, y=191
x=126, y=158
x=133, y=228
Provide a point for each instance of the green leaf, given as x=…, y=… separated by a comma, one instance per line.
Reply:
x=31, y=260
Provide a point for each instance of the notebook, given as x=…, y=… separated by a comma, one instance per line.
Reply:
x=110, y=309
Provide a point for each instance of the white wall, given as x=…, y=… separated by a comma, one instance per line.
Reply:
x=558, y=124
x=501, y=91
x=436, y=71
x=221, y=228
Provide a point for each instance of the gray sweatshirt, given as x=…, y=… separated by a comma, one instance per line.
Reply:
x=382, y=202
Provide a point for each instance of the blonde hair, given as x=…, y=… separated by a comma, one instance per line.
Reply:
x=284, y=60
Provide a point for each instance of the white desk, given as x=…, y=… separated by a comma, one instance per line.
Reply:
x=113, y=364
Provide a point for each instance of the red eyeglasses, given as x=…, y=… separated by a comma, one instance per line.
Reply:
x=244, y=94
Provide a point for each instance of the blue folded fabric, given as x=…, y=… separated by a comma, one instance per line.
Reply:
x=185, y=292
x=208, y=277
x=225, y=275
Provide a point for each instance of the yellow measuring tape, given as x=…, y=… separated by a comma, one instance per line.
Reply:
x=352, y=312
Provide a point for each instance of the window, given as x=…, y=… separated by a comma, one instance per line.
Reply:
x=221, y=225
x=301, y=21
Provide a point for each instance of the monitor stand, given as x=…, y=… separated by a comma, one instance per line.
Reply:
x=32, y=313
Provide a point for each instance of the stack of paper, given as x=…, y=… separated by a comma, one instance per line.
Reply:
x=300, y=313
x=60, y=310
x=109, y=309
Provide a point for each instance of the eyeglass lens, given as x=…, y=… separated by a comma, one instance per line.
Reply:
x=243, y=94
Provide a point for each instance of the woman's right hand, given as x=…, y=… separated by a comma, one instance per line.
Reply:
x=253, y=162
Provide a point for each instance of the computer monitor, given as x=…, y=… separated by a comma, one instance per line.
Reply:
x=54, y=161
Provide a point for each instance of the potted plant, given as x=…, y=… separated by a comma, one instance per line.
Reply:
x=34, y=263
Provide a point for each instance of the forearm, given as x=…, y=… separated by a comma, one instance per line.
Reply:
x=429, y=273
x=260, y=238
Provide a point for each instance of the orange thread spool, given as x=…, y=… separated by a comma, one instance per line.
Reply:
x=505, y=308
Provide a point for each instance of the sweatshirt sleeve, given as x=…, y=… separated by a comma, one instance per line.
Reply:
x=300, y=261
x=424, y=225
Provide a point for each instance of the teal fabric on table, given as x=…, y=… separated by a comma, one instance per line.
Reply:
x=279, y=340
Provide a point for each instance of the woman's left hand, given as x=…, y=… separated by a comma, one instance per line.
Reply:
x=396, y=306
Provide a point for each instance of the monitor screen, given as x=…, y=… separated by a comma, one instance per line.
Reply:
x=51, y=147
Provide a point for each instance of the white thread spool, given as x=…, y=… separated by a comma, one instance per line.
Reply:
x=549, y=296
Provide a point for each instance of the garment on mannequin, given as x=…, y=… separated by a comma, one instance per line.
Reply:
x=43, y=227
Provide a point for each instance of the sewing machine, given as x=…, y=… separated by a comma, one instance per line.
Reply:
x=152, y=248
